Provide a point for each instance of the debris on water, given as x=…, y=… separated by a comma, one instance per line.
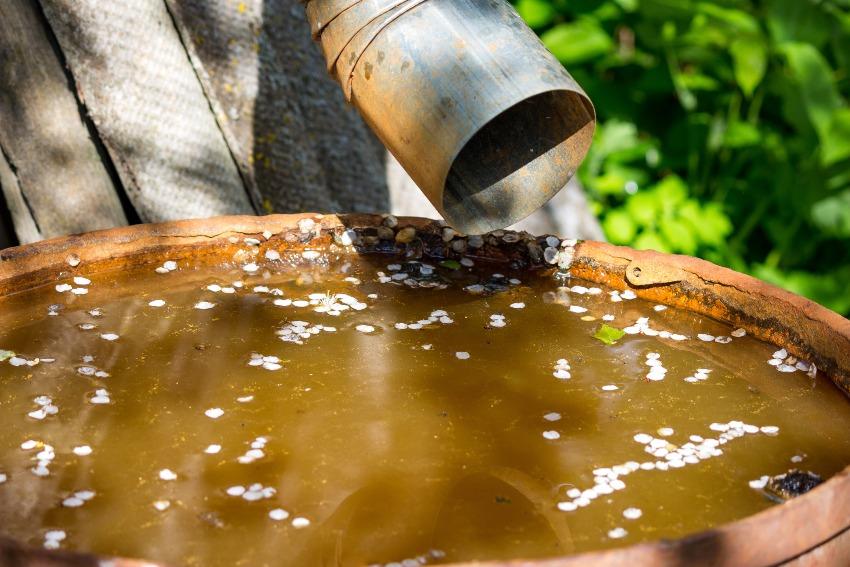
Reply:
x=100, y=397
x=617, y=533
x=562, y=369
x=657, y=372
x=82, y=450
x=53, y=539
x=300, y=523
x=167, y=266
x=78, y=499
x=792, y=484
x=214, y=413
x=495, y=283
x=167, y=474
x=253, y=492
x=289, y=403
x=701, y=375
x=787, y=363
x=609, y=335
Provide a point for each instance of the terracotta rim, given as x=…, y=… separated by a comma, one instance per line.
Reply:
x=805, y=329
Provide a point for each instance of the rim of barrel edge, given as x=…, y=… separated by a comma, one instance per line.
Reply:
x=786, y=530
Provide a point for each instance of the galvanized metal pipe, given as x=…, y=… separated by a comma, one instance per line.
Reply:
x=484, y=119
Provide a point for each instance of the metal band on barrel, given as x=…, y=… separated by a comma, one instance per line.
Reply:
x=349, y=28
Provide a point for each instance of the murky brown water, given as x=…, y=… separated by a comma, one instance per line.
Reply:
x=381, y=446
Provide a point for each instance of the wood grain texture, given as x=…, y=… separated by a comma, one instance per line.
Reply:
x=53, y=179
x=147, y=104
x=24, y=224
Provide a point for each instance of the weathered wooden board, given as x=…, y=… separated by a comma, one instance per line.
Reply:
x=26, y=230
x=297, y=142
x=142, y=93
x=52, y=177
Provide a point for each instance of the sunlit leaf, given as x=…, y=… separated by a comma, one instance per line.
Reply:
x=650, y=240
x=644, y=207
x=739, y=20
x=619, y=227
x=741, y=135
x=679, y=235
x=698, y=82
x=749, y=55
x=814, y=78
x=798, y=21
x=578, y=41
x=832, y=215
x=836, y=145
x=608, y=334
x=536, y=13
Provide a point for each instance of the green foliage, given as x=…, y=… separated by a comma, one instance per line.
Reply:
x=724, y=129
x=609, y=335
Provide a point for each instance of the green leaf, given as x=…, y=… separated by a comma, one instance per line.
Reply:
x=450, y=264
x=627, y=5
x=711, y=224
x=536, y=13
x=651, y=241
x=836, y=146
x=738, y=20
x=816, y=84
x=698, y=82
x=644, y=207
x=609, y=335
x=6, y=354
x=749, y=56
x=741, y=135
x=671, y=191
x=680, y=236
x=798, y=21
x=578, y=41
x=619, y=227
x=832, y=215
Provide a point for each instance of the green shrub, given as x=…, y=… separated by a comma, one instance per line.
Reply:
x=724, y=129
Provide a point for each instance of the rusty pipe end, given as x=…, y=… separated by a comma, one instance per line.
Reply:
x=483, y=118
x=518, y=161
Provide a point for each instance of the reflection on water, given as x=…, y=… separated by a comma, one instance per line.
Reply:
x=379, y=445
